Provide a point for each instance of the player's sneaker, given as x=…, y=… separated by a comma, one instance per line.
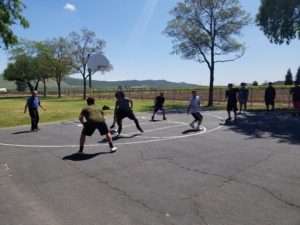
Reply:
x=113, y=149
x=165, y=118
x=192, y=125
x=152, y=118
x=197, y=128
x=80, y=152
x=228, y=119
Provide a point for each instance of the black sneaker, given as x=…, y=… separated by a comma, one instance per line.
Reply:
x=112, y=126
x=228, y=119
x=165, y=118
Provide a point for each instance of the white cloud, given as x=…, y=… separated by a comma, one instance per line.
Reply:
x=70, y=7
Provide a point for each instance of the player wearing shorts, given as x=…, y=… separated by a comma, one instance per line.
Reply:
x=159, y=105
x=295, y=92
x=270, y=94
x=231, y=101
x=243, y=97
x=123, y=108
x=94, y=119
x=194, y=109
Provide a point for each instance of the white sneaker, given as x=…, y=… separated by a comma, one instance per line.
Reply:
x=113, y=149
x=192, y=125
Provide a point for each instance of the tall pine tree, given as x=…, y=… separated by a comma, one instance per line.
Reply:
x=289, y=78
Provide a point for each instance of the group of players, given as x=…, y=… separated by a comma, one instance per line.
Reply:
x=92, y=117
x=241, y=94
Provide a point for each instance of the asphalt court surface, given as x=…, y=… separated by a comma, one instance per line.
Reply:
x=244, y=172
x=66, y=134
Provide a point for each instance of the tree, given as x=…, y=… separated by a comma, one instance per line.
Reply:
x=82, y=45
x=255, y=83
x=20, y=71
x=40, y=65
x=289, y=78
x=60, y=61
x=279, y=20
x=10, y=14
x=206, y=31
x=297, y=77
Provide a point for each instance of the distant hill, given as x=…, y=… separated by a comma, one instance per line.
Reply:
x=74, y=83
x=130, y=83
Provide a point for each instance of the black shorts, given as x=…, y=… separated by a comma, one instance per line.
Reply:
x=269, y=101
x=197, y=116
x=121, y=115
x=232, y=106
x=243, y=101
x=158, y=107
x=89, y=128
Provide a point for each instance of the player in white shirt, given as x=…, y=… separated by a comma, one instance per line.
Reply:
x=194, y=109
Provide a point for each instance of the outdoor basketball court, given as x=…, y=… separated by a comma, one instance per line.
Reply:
x=241, y=173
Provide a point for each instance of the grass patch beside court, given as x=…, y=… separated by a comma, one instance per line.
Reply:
x=60, y=109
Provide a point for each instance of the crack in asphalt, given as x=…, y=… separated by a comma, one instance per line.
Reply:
x=233, y=179
x=124, y=193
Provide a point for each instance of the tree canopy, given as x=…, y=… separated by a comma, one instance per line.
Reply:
x=10, y=14
x=206, y=31
x=279, y=20
x=82, y=45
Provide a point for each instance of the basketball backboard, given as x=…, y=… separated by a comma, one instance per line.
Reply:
x=97, y=61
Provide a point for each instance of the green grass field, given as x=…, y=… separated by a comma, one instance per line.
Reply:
x=12, y=109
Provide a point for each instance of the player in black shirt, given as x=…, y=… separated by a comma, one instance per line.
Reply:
x=231, y=95
x=123, y=108
x=270, y=94
x=159, y=105
x=295, y=92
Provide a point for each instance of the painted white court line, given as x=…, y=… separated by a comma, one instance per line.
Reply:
x=128, y=143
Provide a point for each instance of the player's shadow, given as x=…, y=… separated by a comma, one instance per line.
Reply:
x=155, y=120
x=122, y=136
x=257, y=125
x=22, y=132
x=189, y=131
x=83, y=156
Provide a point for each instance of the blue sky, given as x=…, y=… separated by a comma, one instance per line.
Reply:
x=137, y=48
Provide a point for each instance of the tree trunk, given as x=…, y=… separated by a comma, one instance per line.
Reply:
x=45, y=88
x=211, y=87
x=84, y=87
x=36, y=85
x=58, y=86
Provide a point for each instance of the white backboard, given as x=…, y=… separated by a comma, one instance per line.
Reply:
x=97, y=61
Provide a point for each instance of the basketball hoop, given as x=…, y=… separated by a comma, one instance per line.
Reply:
x=97, y=62
x=100, y=67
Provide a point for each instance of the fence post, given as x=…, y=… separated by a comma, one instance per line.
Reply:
x=251, y=92
x=289, y=102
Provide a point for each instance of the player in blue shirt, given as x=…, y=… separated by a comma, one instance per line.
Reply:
x=33, y=103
